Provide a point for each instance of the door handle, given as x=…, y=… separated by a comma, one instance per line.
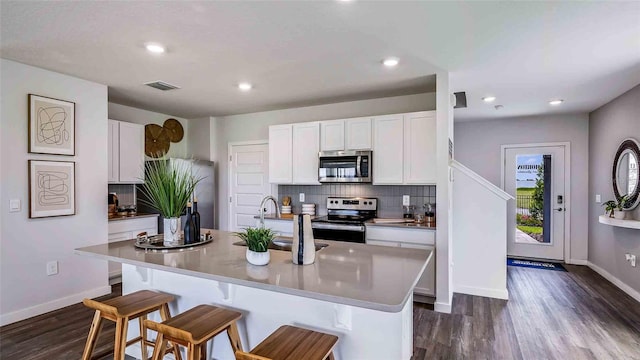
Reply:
x=559, y=209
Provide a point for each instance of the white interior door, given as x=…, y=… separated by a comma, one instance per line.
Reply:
x=248, y=183
x=535, y=176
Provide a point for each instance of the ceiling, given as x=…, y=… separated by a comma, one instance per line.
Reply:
x=308, y=53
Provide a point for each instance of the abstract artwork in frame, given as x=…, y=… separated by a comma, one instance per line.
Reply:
x=51, y=126
x=51, y=188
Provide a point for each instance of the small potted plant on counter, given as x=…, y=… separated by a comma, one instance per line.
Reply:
x=257, y=240
x=617, y=208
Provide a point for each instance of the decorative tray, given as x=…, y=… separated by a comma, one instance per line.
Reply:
x=156, y=242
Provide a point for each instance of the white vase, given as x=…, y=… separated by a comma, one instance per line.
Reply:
x=171, y=230
x=258, y=258
x=620, y=214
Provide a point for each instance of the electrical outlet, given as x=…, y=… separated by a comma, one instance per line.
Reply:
x=52, y=268
x=406, y=200
x=301, y=197
x=631, y=259
x=598, y=199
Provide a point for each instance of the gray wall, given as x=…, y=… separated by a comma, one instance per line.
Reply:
x=609, y=126
x=389, y=196
x=255, y=126
x=477, y=146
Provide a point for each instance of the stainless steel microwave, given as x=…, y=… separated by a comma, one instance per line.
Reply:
x=345, y=167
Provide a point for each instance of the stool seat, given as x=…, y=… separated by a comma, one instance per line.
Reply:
x=194, y=327
x=293, y=343
x=130, y=305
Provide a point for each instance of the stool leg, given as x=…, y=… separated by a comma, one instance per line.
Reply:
x=94, y=331
x=234, y=337
x=331, y=356
x=160, y=346
x=166, y=315
x=122, y=325
x=203, y=351
x=192, y=352
x=143, y=337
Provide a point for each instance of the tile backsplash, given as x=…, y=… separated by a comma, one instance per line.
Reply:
x=389, y=196
x=126, y=193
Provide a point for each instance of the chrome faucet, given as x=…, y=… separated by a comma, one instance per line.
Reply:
x=263, y=209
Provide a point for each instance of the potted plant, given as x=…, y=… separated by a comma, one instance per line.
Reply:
x=257, y=240
x=168, y=187
x=617, y=208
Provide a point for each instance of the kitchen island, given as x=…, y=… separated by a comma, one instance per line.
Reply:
x=361, y=293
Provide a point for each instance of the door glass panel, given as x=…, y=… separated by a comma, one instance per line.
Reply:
x=533, y=199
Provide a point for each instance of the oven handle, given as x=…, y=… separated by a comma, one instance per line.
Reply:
x=318, y=225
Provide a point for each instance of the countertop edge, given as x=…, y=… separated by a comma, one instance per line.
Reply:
x=137, y=216
x=400, y=226
x=390, y=308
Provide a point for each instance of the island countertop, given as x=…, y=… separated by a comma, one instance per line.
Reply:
x=368, y=276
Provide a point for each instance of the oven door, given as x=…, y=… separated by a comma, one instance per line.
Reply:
x=335, y=232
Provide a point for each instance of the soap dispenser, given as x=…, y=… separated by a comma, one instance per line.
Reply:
x=303, y=248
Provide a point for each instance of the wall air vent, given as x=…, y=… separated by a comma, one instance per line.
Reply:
x=461, y=100
x=161, y=85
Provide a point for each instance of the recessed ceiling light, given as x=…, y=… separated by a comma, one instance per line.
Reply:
x=556, y=102
x=155, y=48
x=390, y=62
x=489, y=99
x=499, y=107
x=245, y=86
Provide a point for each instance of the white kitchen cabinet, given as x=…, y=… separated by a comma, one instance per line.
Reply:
x=420, y=148
x=281, y=154
x=125, y=152
x=413, y=239
x=120, y=230
x=332, y=135
x=388, y=148
x=358, y=134
x=306, y=145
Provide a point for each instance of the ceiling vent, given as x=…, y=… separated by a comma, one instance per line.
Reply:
x=161, y=85
x=461, y=100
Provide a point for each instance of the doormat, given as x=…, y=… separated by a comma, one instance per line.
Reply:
x=536, y=264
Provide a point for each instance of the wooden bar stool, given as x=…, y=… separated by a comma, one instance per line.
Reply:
x=293, y=343
x=193, y=328
x=122, y=309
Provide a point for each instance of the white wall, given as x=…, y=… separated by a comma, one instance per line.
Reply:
x=255, y=126
x=609, y=126
x=478, y=147
x=28, y=244
x=144, y=117
x=479, y=236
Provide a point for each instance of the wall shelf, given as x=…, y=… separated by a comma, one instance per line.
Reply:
x=630, y=224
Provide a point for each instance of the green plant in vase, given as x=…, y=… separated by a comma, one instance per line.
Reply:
x=612, y=205
x=168, y=186
x=257, y=240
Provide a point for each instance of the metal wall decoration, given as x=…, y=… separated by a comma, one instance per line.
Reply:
x=51, y=126
x=158, y=138
x=51, y=188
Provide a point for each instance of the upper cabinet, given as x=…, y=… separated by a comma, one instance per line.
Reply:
x=332, y=135
x=347, y=134
x=280, y=154
x=358, y=134
x=404, y=149
x=388, y=148
x=125, y=152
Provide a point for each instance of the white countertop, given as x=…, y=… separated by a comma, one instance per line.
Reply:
x=374, y=277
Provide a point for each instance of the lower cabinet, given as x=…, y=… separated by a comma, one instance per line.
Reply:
x=120, y=230
x=413, y=239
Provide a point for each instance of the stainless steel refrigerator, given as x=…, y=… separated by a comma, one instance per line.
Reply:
x=204, y=192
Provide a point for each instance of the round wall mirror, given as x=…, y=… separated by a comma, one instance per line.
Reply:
x=626, y=173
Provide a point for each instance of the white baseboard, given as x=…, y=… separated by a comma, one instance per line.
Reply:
x=577, y=262
x=615, y=281
x=502, y=294
x=52, y=305
x=442, y=307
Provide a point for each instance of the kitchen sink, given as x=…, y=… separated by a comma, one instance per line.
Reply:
x=283, y=244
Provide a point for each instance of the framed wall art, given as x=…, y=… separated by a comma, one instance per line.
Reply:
x=51, y=126
x=51, y=188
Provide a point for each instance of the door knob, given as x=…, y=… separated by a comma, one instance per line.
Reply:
x=559, y=209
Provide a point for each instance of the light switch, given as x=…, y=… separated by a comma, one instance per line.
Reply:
x=406, y=200
x=14, y=205
x=301, y=197
x=598, y=199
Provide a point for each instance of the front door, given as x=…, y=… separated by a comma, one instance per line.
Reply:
x=535, y=176
x=248, y=183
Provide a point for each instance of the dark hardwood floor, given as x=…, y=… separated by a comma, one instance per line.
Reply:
x=550, y=315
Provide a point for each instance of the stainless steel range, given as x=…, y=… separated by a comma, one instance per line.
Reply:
x=345, y=219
